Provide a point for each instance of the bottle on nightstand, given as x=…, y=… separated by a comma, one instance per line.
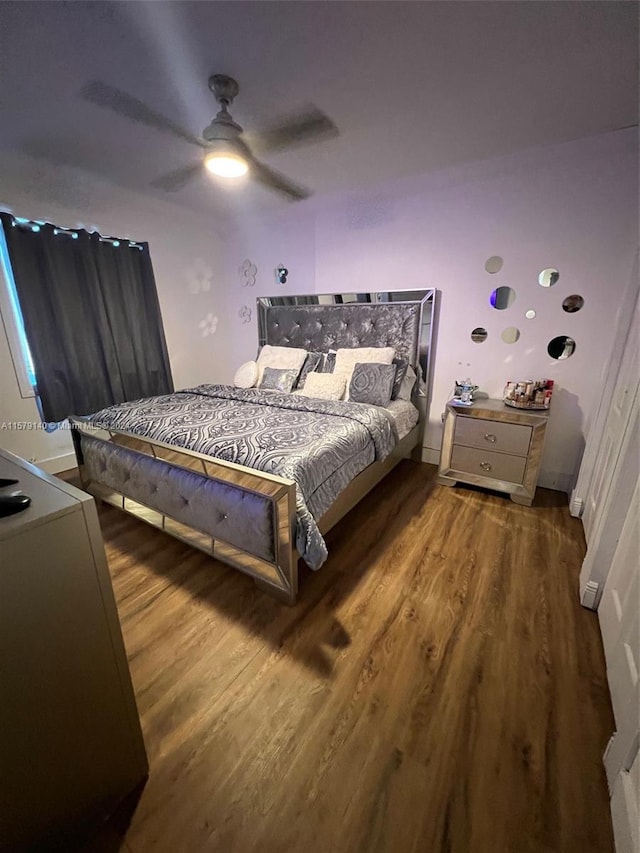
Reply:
x=466, y=394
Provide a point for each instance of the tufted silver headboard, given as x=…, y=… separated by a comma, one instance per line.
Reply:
x=357, y=323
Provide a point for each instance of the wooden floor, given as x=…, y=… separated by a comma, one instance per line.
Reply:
x=437, y=687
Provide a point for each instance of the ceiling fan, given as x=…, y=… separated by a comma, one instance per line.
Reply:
x=226, y=151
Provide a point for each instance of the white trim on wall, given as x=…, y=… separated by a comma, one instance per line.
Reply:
x=57, y=464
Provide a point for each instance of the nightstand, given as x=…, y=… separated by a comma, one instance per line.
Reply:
x=492, y=445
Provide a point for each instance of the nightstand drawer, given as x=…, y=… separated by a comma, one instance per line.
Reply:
x=493, y=435
x=486, y=463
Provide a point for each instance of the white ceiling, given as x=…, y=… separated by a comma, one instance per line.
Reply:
x=413, y=87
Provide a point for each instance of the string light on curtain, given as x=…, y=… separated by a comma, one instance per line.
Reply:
x=36, y=225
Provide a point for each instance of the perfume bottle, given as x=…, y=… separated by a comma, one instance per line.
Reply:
x=466, y=395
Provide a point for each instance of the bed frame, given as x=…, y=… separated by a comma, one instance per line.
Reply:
x=235, y=488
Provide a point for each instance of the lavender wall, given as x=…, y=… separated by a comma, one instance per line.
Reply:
x=572, y=206
x=288, y=238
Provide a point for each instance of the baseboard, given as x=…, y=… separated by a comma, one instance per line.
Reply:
x=576, y=505
x=430, y=455
x=558, y=481
x=590, y=595
x=56, y=464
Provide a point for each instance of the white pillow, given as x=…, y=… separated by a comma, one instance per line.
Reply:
x=323, y=386
x=282, y=358
x=346, y=360
x=246, y=375
x=407, y=384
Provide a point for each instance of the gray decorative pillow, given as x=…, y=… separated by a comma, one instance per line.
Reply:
x=312, y=362
x=329, y=362
x=401, y=371
x=278, y=379
x=372, y=383
x=408, y=385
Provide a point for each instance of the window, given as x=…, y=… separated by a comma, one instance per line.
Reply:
x=66, y=286
x=14, y=324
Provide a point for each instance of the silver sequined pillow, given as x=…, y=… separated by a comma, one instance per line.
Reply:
x=278, y=379
x=372, y=383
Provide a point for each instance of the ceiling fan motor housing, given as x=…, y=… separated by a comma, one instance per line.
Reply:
x=222, y=127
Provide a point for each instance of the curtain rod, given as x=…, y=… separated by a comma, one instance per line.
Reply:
x=35, y=225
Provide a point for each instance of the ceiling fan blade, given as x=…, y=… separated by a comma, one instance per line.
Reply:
x=277, y=181
x=108, y=97
x=177, y=179
x=301, y=128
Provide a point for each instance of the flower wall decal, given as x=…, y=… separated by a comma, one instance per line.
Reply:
x=245, y=314
x=247, y=272
x=199, y=276
x=208, y=325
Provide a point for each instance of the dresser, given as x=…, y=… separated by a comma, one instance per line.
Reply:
x=70, y=741
x=492, y=445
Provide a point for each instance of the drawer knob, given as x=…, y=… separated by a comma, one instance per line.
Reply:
x=489, y=436
x=486, y=466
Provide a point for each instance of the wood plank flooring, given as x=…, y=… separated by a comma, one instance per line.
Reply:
x=436, y=688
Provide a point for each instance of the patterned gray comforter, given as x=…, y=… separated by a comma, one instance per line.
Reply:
x=320, y=444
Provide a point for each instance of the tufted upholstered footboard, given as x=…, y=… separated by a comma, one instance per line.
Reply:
x=243, y=517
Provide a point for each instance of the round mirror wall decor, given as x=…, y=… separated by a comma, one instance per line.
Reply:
x=530, y=314
x=572, y=303
x=502, y=297
x=561, y=347
x=510, y=335
x=548, y=277
x=479, y=335
x=494, y=264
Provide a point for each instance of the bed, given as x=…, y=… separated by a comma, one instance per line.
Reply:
x=254, y=477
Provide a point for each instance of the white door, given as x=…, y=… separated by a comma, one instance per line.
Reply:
x=625, y=809
x=616, y=468
x=619, y=616
x=623, y=396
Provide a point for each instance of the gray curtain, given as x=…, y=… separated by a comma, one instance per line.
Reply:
x=91, y=316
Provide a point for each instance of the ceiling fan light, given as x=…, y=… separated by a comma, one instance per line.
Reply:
x=226, y=164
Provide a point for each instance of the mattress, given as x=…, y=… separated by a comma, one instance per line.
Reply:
x=404, y=414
